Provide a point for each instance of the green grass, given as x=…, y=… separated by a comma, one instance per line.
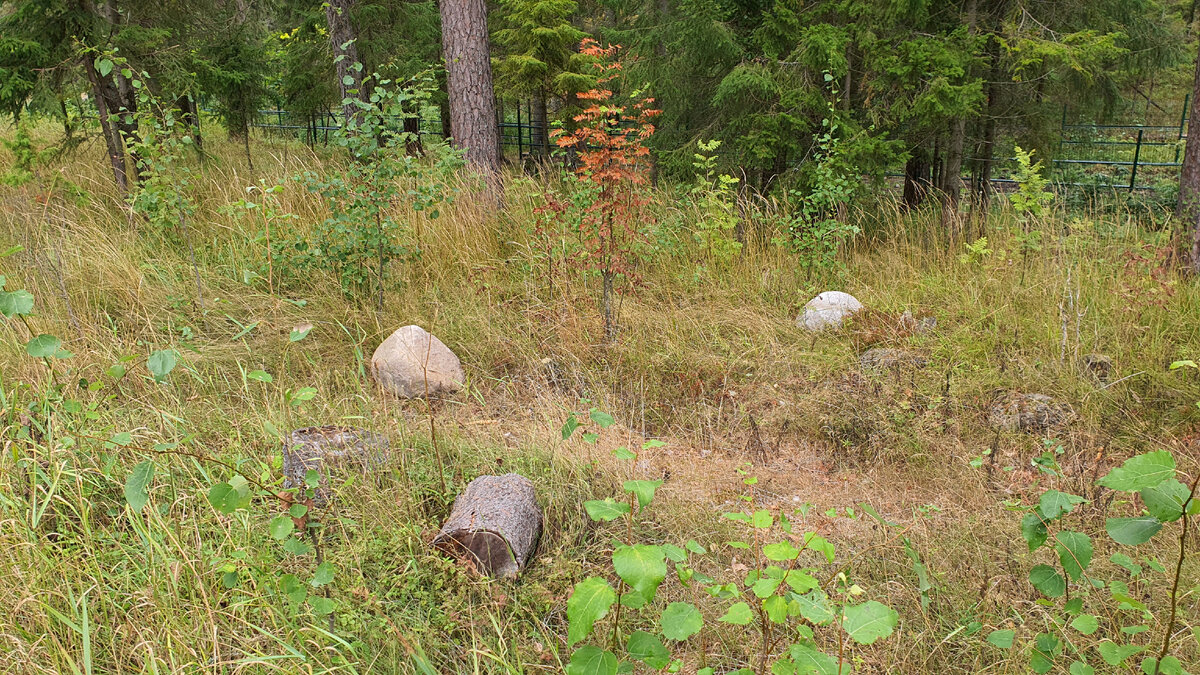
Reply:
x=91, y=586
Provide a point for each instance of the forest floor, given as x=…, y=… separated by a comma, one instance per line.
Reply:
x=708, y=360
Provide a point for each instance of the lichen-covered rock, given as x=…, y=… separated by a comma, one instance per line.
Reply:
x=1027, y=412
x=496, y=521
x=1098, y=365
x=411, y=363
x=327, y=449
x=828, y=310
x=883, y=358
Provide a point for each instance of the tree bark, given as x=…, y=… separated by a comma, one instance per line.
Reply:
x=916, y=180
x=342, y=37
x=469, y=85
x=496, y=520
x=112, y=141
x=539, y=119
x=952, y=181
x=1188, y=209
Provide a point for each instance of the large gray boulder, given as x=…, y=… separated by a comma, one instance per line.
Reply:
x=411, y=363
x=828, y=310
x=1029, y=413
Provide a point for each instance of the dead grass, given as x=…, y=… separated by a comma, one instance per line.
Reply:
x=709, y=360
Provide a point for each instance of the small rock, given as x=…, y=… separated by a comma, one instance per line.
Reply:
x=411, y=362
x=325, y=448
x=921, y=326
x=1027, y=412
x=1099, y=365
x=883, y=358
x=828, y=310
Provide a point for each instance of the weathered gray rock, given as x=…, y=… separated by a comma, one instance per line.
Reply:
x=828, y=310
x=1098, y=365
x=883, y=358
x=1027, y=412
x=922, y=326
x=497, y=522
x=326, y=450
x=411, y=363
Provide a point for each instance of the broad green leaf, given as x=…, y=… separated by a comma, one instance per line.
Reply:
x=321, y=606
x=1002, y=638
x=260, y=376
x=1086, y=624
x=811, y=661
x=43, y=346
x=1165, y=501
x=296, y=547
x=1054, y=503
x=642, y=567
x=647, y=648
x=1115, y=654
x=591, y=660
x=104, y=67
x=680, y=621
x=867, y=622
x=1169, y=666
x=780, y=551
x=606, y=509
x=765, y=587
x=623, y=453
x=299, y=333
x=644, y=489
x=1033, y=529
x=1045, y=648
x=226, y=498
x=322, y=575
x=814, y=606
x=739, y=614
x=569, y=426
x=298, y=510
x=161, y=363
x=281, y=526
x=1047, y=580
x=1074, y=552
x=1140, y=472
x=1081, y=668
x=290, y=586
x=800, y=581
x=1126, y=562
x=762, y=519
x=589, y=602
x=776, y=608
x=602, y=419
x=1132, y=531
x=16, y=303
x=136, y=485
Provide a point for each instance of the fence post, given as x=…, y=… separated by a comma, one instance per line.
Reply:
x=1137, y=151
x=520, y=150
x=1183, y=118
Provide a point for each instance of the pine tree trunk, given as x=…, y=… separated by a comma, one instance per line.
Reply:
x=916, y=180
x=1188, y=209
x=342, y=37
x=469, y=85
x=539, y=119
x=112, y=141
x=952, y=183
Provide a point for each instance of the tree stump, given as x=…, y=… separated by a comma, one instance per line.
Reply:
x=326, y=448
x=497, y=521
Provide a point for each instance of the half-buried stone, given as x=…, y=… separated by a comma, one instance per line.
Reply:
x=411, y=363
x=1014, y=411
x=327, y=450
x=884, y=358
x=828, y=310
x=495, y=523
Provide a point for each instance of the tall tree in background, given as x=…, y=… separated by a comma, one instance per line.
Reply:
x=541, y=45
x=1188, y=210
x=469, y=85
x=343, y=37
